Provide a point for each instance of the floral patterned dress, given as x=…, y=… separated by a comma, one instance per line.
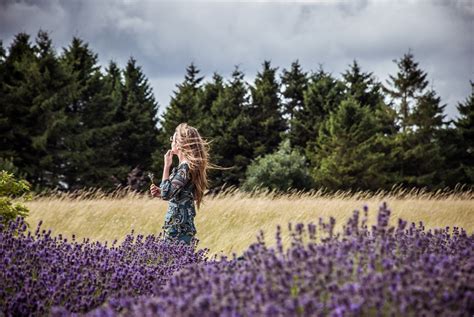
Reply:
x=178, y=189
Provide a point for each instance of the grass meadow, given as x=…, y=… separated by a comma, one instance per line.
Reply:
x=229, y=222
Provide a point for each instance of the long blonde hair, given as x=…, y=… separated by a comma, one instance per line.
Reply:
x=195, y=150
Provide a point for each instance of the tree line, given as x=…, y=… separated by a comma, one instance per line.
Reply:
x=66, y=123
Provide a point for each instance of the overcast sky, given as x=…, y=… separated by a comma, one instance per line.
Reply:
x=166, y=36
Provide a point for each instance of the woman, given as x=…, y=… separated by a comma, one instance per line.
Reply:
x=185, y=184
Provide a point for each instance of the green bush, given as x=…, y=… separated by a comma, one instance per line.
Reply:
x=11, y=188
x=282, y=170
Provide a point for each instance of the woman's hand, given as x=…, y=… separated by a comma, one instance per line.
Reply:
x=155, y=190
x=168, y=158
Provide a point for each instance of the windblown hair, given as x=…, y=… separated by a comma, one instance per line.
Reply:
x=195, y=149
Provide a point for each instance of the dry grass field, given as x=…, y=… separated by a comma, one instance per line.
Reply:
x=229, y=222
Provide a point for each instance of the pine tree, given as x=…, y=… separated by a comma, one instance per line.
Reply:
x=93, y=159
x=416, y=149
x=231, y=146
x=268, y=124
x=428, y=116
x=364, y=88
x=138, y=115
x=419, y=164
x=428, y=119
x=16, y=94
x=35, y=90
x=295, y=82
x=323, y=96
x=206, y=97
x=34, y=96
x=406, y=87
x=351, y=150
x=52, y=97
x=81, y=63
x=112, y=172
x=465, y=130
x=182, y=106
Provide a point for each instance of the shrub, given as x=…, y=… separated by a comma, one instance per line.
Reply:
x=281, y=170
x=9, y=189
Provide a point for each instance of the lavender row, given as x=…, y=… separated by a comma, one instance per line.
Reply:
x=377, y=271
x=39, y=272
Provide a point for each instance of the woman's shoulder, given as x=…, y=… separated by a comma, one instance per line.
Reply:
x=183, y=166
x=183, y=169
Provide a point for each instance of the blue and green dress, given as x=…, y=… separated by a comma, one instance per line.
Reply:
x=178, y=189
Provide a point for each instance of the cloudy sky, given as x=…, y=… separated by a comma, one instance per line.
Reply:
x=166, y=36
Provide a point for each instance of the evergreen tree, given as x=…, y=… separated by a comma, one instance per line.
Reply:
x=268, y=124
x=406, y=87
x=138, y=115
x=231, y=146
x=428, y=116
x=107, y=141
x=364, y=88
x=324, y=95
x=295, y=83
x=48, y=110
x=206, y=97
x=463, y=142
x=93, y=159
x=368, y=92
x=81, y=63
x=417, y=150
x=419, y=164
x=16, y=95
x=428, y=119
x=34, y=94
x=351, y=150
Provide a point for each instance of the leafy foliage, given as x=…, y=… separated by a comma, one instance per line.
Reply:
x=282, y=170
x=10, y=187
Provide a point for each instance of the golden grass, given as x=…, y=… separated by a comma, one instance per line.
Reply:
x=230, y=221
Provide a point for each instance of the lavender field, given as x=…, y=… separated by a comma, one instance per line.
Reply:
x=364, y=270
